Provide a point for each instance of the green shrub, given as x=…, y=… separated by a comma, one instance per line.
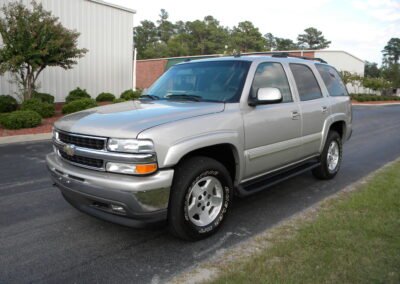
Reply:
x=130, y=94
x=21, y=119
x=46, y=98
x=78, y=105
x=44, y=109
x=115, y=101
x=3, y=116
x=77, y=94
x=8, y=104
x=105, y=97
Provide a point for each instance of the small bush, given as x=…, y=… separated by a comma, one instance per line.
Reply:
x=45, y=98
x=44, y=109
x=77, y=94
x=8, y=104
x=105, y=97
x=115, y=101
x=78, y=105
x=21, y=119
x=130, y=94
x=3, y=116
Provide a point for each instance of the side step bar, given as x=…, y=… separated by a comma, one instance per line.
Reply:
x=263, y=182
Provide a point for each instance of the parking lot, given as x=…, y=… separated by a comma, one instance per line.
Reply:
x=44, y=239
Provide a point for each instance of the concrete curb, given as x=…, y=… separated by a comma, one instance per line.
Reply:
x=25, y=138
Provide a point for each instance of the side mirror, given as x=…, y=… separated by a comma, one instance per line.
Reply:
x=266, y=96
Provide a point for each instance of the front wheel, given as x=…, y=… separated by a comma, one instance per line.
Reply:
x=331, y=157
x=200, y=198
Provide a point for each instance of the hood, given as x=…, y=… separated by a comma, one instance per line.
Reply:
x=127, y=120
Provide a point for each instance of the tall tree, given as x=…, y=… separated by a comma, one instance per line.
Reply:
x=270, y=44
x=285, y=44
x=245, y=37
x=391, y=51
x=391, y=65
x=313, y=39
x=33, y=39
x=146, y=38
x=166, y=29
x=371, y=70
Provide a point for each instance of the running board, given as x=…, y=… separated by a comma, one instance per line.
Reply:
x=263, y=182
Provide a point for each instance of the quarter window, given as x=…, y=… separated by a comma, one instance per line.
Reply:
x=306, y=82
x=332, y=80
x=272, y=75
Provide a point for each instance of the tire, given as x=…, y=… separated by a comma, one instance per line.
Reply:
x=330, y=161
x=201, y=196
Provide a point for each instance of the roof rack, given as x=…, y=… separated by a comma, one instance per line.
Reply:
x=286, y=54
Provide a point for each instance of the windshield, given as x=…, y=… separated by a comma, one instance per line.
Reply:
x=213, y=81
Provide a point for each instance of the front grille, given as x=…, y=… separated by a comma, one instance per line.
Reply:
x=80, y=141
x=90, y=162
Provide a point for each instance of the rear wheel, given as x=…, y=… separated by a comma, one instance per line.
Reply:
x=200, y=198
x=331, y=157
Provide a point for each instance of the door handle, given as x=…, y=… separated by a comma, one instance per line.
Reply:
x=324, y=109
x=295, y=115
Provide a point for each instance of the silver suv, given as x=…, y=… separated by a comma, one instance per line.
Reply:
x=204, y=131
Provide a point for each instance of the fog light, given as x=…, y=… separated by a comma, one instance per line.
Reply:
x=131, y=169
x=118, y=209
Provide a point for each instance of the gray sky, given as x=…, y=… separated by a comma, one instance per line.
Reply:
x=361, y=27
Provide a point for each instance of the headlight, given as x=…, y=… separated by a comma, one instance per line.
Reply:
x=55, y=134
x=131, y=169
x=130, y=145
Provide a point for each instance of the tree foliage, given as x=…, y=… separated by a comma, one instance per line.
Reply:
x=33, y=39
x=313, y=39
x=371, y=69
x=391, y=51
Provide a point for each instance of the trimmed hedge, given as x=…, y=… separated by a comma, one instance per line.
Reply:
x=45, y=98
x=78, y=105
x=77, y=94
x=3, y=116
x=21, y=119
x=130, y=94
x=105, y=97
x=8, y=104
x=44, y=109
x=372, y=98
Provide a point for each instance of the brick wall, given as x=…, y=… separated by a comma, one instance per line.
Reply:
x=147, y=71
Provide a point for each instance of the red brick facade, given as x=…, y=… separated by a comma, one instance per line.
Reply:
x=147, y=71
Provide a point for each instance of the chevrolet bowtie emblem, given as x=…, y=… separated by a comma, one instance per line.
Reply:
x=69, y=150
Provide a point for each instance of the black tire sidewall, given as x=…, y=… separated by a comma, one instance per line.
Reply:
x=188, y=174
x=332, y=136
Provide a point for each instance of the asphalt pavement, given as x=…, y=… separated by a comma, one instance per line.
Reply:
x=44, y=239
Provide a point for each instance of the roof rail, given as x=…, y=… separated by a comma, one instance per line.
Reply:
x=286, y=54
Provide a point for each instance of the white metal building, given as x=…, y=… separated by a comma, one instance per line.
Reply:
x=106, y=31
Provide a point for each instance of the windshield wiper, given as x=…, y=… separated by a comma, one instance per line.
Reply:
x=152, y=97
x=184, y=97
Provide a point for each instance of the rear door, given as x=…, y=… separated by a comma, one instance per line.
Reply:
x=272, y=132
x=314, y=108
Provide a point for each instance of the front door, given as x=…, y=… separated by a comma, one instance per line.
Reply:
x=272, y=132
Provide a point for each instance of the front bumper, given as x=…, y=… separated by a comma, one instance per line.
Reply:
x=144, y=199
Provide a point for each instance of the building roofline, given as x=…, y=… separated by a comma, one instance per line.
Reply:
x=113, y=6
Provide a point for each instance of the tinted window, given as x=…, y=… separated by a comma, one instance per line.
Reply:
x=332, y=80
x=215, y=81
x=306, y=83
x=272, y=75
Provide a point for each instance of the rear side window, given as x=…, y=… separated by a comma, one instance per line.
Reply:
x=332, y=80
x=272, y=75
x=306, y=82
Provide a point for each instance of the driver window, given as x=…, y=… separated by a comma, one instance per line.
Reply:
x=272, y=75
